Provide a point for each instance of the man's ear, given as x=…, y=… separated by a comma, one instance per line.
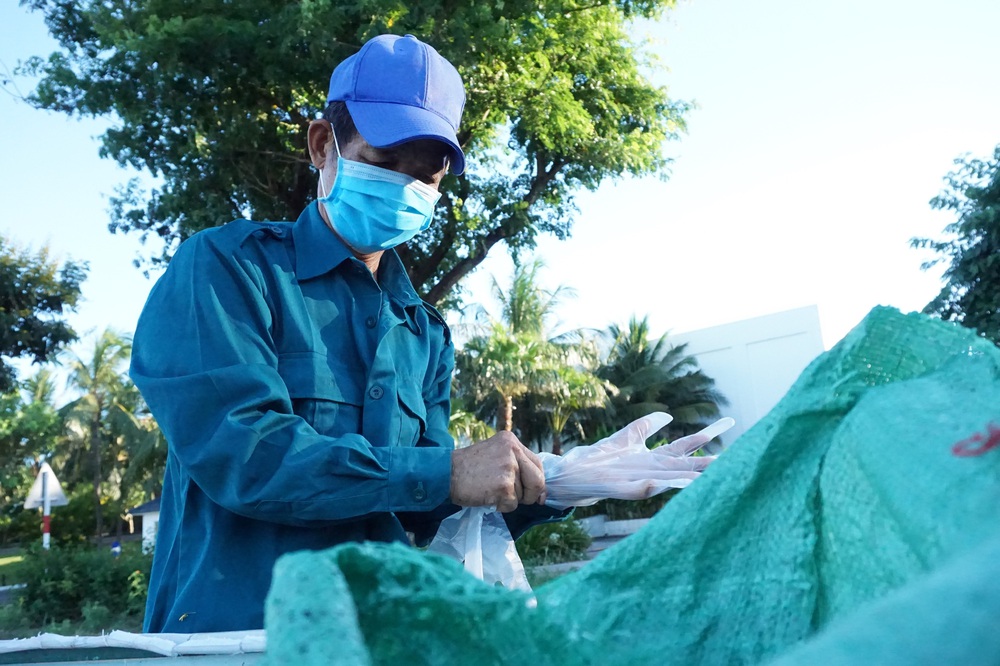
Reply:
x=319, y=140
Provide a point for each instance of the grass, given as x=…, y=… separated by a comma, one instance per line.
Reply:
x=537, y=578
x=10, y=627
x=553, y=543
x=11, y=569
x=13, y=624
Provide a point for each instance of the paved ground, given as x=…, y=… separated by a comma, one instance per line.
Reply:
x=8, y=592
x=598, y=545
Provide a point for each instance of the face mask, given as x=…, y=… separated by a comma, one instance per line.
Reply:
x=374, y=209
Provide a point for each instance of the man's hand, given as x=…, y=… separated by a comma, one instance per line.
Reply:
x=499, y=471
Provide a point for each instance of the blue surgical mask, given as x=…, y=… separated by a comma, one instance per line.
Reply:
x=375, y=209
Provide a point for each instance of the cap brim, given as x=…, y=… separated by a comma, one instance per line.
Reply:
x=385, y=124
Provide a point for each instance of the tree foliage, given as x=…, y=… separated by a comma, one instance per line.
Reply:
x=103, y=445
x=971, y=293
x=30, y=430
x=68, y=583
x=35, y=294
x=511, y=356
x=214, y=98
x=651, y=375
x=99, y=418
x=503, y=365
x=515, y=364
x=571, y=391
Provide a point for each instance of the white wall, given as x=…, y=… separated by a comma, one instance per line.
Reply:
x=150, y=523
x=755, y=361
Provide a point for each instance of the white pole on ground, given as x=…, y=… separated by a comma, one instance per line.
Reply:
x=45, y=493
x=46, y=509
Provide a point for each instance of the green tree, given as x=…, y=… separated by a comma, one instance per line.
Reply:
x=30, y=431
x=142, y=449
x=504, y=365
x=466, y=427
x=971, y=293
x=512, y=356
x=515, y=362
x=105, y=393
x=653, y=376
x=214, y=98
x=35, y=294
x=571, y=391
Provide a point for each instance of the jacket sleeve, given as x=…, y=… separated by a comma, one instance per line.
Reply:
x=206, y=363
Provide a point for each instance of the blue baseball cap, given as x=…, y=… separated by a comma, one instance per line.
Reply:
x=399, y=89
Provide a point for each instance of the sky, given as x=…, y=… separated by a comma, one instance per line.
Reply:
x=820, y=133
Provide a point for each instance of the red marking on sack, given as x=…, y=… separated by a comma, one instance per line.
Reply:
x=979, y=443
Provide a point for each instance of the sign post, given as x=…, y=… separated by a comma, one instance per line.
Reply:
x=46, y=492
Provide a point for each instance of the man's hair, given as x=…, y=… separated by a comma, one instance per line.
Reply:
x=339, y=117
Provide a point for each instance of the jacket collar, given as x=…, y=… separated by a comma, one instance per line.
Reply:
x=318, y=251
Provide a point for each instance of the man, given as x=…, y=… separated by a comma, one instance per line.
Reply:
x=301, y=384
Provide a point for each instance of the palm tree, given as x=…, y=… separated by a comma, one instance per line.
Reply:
x=512, y=357
x=502, y=366
x=103, y=386
x=653, y=375
x=572, y=391
x=145, y=453
x=526, y=307
x=465, y=426
x=40, y=424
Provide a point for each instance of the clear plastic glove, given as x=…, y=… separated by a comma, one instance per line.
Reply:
x=621, y=467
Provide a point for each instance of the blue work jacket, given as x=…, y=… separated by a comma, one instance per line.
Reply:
x=304, y=403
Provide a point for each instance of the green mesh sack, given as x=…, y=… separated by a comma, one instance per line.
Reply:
x=868, y=494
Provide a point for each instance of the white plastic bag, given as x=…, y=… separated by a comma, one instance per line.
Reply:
x=478, y=537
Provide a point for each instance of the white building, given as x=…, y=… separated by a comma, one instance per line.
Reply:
x=150, y=515
x=755, y=361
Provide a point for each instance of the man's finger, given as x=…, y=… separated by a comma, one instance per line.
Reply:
x=532, y=476
x=533, y=457
x=507, y=503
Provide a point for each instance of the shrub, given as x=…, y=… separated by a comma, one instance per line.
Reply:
x=73, y=524
x=11, y=567
x=550, y=543
x=616, y=509
x=12, y=619
x=19, y=525
x=72, y=584
x=96, y=618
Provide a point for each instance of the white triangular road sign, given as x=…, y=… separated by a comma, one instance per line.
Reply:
x=55, y=492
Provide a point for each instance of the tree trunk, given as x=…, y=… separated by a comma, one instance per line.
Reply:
x=95, y=447
x=556, y=444
x=505, y=413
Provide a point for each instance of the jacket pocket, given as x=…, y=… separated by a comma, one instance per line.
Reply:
x=412, y=415
x=324, y=392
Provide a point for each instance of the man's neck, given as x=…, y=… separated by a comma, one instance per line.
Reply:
x=371, y=260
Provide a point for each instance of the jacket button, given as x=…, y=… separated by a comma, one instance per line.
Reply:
x=277, y=230
x=375, y=392
x=419, y=493
x=370, y=322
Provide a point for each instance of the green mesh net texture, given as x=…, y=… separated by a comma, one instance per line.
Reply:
x=855, y=523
